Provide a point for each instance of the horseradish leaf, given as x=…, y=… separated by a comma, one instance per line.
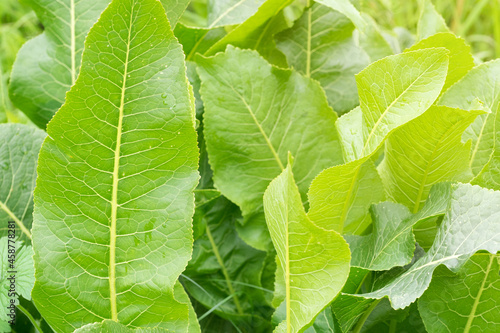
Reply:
x=114, y=197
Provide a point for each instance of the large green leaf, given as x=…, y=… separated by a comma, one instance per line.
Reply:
x=341, y=195
x=114, y=197
x=48, y=65
x=468, y=301
x=18, y=157
x=320, y=45
x=426, y=151
x=470, y=224
x=478, y=89
x=271, y=112
x=313, y=263
x=224, y=266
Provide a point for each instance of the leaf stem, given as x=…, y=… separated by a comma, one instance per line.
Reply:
x=224, y=271
x=393, y=325
x=30, y=317
x=365, y=316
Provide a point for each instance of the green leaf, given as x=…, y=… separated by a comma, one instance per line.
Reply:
x=251, y=33
x=461, y=60
x=5, y=104
x=224, y=266
x=320, y=45
x=230, y=12
x=426, y=151
x=116, y=175
x=489, y=176
x=376, y=42
x=24, y=273
x=430, y=21
x=110, y=326
x=371, y=37
x=197, y=40
x=478, y=89
x=18, y=157
x=340, y=196
x=324, y=323
x=397, y=89
x=313, y=262
x=346, y=8
x=174, y=10
x=271, y=112
x=392, y=242
x=468, y=301
x=470, y=225
x=48, y=65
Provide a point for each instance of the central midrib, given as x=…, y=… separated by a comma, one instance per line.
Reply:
x=224, y=271
x=268, y=141
x=114, y=199
x=429, y=164
x=287, y=266
x=472, y=314
x=382, y=116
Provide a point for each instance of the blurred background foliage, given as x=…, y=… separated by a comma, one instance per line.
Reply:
x=478, y=21
x=18, y=23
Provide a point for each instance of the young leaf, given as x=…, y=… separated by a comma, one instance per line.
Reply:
x=271, y=112
x=392, y=242
x=461, y=60
x=426, y=151
x=312, y=262
x=468, y=301
x=470, y=225
x=114, y=196
x=18, y=157
x=320, y=45
x=48, y=65
x=430, y=21
x=397, y=89
x=341, y=195
x=478, y=89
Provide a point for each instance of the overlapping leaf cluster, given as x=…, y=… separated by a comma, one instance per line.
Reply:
x=251, y=166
